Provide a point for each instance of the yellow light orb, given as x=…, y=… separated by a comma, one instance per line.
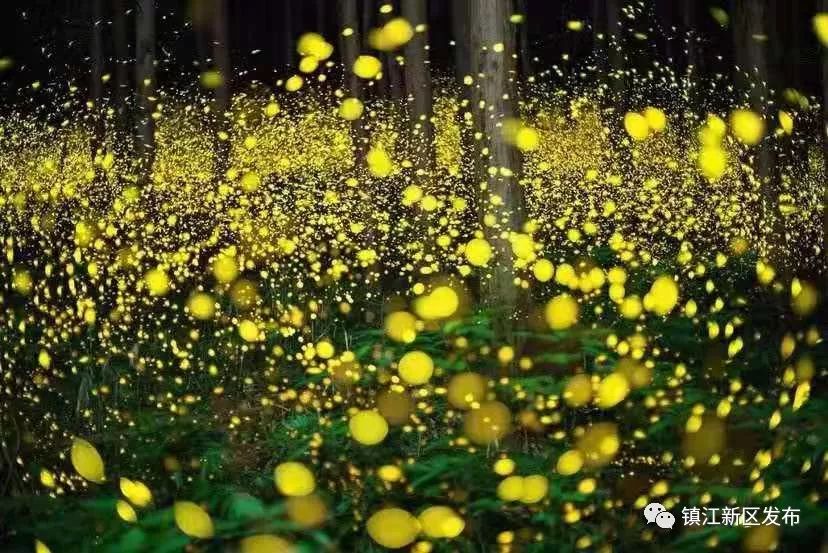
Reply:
x=225, y=268
x=636, y=126
x=351, y=109
x=367, y=67
x=747, y=126
x=325, y=349
x=637, y=373
x=656, y=119
x=504, y=467
x=527, y=139
x=212, y=79
x=663, y=295
x=805, y=300
x=511, y=488
x=544, y=270
x=308, y=64
x=201, y=306
x=570, y=462
x=561, y=312
x=390, y=473
x=398, y=31
x=631, y=307
x=294, y=479
x=193, y=520
x=157, y=282
x=294, y=83
x=578, y=390
x=441, y=522
x=465, y=389
x=248, y=330
x=307, y=511
x=368, y=427
x=314, y=44
x=395, y=407
x=125, y=511
x=22, y=281
x=272, y=109
x=535, y=488
x=415, y=368
x=87, y=461
x=136, y=492
x=713, y=162
x=522, y=246
x=488, y=423
x=820, y=23
x=612, y=390
x=401, y=326
x=379, y=162
x=393, y=528
x=478, y=252
x=439, y=304
x=250, y=182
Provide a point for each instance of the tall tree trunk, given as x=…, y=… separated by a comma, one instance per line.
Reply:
x=349, y=46
x=121, y=43
x=418, y=89
x=221, y=54
x=96, y=77
x=460, y=32
x=286, y=41
x=320, y=17
x=609, y=41
x=393, y=84
x=210, y=25
x=97, y=56
x=221, y=58
x=689, y=22
x=145, y=84
x=493, y=47
x=753, y=75
x=525, y=56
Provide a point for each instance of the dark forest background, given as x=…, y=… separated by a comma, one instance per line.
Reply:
x=55, y=40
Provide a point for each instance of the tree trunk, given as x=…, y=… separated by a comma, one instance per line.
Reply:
x=753, y=75
x=285, y=42
x=221, y=58
x=98, y=139
x=609, y=41
x=418, y=88
x=495, y=72
x=460, y=31
x=97, y=56
x=689, y=23
x=349, y=46
x=145, y=84
x=393, y=80
x=211, y=35
x=320, y=17
x=525, y=56
x=121, y=43
x=221, y=55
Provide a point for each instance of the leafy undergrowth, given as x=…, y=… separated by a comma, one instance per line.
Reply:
x=716, y=400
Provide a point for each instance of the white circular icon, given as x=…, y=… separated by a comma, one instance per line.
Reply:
x=665, y=519
x=652, y=510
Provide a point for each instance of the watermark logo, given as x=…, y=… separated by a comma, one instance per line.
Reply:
x=722, y=516
x=655, y=512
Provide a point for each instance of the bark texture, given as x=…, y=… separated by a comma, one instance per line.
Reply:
x=145, y=84
x=492, y=40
